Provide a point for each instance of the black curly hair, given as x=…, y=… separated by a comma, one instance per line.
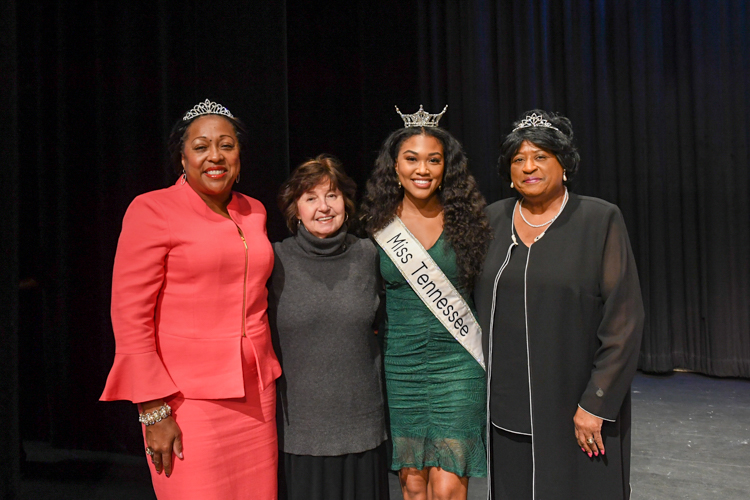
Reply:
x=557, y=142
x=465, y=223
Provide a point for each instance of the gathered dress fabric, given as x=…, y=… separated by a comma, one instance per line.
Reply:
x=436, y=390
x=324, y=295
x=562, y=321
x=189, y=315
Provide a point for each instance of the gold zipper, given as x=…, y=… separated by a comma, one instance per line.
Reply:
x=244, y=282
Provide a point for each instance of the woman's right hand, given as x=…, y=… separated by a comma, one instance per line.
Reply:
x=163, y=438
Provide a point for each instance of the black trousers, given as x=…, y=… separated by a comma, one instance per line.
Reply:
x=512, y=466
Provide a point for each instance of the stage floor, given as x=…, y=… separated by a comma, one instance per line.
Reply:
x=691, y=441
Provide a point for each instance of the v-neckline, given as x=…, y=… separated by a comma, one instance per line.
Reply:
x=417, y=239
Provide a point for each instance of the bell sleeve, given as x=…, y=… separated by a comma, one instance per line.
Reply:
x=621, y=328
x=138, y=373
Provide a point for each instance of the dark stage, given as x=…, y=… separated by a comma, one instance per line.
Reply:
x=657, y=93
x=691, y=441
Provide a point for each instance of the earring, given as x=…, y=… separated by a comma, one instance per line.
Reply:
x=237, y=180
x=511, y=185
x=399, y=184
x=184, y=177
x=565, y=177
x=347, y=217
x=440, y=187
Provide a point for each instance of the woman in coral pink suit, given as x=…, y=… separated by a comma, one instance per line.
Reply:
x=190, y=324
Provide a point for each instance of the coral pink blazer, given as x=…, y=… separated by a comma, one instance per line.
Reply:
x=185, y=289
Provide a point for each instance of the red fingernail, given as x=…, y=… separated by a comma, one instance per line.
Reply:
x=583, y=449
x=589, y=454
x=602, y=452
x=596, y=453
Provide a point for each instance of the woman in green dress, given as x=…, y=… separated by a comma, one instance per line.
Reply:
x=436, y=387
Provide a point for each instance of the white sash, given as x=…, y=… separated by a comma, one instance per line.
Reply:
x=432, y=286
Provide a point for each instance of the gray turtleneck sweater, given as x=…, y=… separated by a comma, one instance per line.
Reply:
x=323, y=298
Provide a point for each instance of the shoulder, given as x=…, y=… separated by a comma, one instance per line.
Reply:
x=595, y=208
x=364, y=245
x=249, y=202
x=499, y=211
x=153, y=202
x=285, y=246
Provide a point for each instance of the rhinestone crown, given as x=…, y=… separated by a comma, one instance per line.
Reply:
x=421, y=118
x=535, y=120
x=207, y=108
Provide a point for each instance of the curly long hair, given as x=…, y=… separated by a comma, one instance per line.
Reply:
x=465, y=224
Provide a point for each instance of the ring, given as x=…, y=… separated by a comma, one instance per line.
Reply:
x=150, y=452
x=590, y=440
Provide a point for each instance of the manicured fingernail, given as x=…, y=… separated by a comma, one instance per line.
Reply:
x=583, y=449
x=602, y=452
x=180, y=455
x=166, y=475
x=596, y=453
x=589, y=454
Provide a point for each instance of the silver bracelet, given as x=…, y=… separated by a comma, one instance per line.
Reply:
x=155, y=416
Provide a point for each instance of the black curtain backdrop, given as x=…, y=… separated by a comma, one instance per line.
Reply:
x=658, y=95
x=657, y=92
x=100, y=86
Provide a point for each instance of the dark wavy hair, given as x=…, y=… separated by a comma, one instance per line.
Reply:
x=556, y=142
x=308, y=175
x=176, y=141
x=465, y=224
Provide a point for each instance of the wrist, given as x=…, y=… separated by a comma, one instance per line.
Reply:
x=156, y=416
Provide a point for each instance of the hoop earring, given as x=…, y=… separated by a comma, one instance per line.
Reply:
x=184, y=177
x=347, y=217
x=565, y=177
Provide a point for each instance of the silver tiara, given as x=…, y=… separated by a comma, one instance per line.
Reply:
x=207, y=108
x=421, y=118
x=535, y=120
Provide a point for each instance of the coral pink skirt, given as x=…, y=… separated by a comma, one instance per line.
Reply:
x=229, y=445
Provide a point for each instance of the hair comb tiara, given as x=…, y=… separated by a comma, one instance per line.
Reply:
x=534, y=120
x=421, y=118
x=207, y=108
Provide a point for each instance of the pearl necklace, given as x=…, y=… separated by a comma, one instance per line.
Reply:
x=565, y=201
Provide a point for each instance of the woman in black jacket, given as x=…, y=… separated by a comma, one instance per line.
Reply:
x=560, y=306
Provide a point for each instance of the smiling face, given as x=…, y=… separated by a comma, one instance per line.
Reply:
x=536, y=173
x=322, y=210
x=211, y=157
x=420, y=166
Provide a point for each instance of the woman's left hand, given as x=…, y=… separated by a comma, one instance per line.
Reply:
x=589, y=432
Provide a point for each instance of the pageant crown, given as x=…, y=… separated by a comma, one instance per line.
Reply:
x=535, y=120
x=207, y=108
x=421, y=118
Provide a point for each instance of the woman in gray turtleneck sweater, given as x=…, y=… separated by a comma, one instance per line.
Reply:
x=323, y=298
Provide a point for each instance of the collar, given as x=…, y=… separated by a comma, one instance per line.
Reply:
x=312, y=245
x=200, y=207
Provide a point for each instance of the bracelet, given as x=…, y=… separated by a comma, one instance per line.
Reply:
x=155, y=416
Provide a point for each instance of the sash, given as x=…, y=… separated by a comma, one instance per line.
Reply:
x=432, y=286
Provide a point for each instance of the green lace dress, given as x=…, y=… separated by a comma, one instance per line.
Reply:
x=436, y=390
